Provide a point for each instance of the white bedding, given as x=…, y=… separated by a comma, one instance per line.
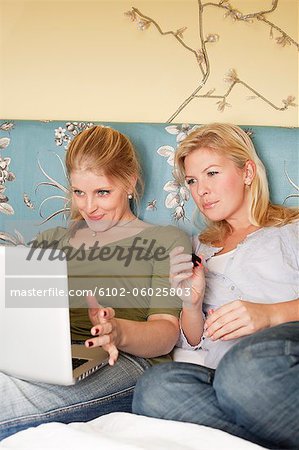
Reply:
x=123, y=431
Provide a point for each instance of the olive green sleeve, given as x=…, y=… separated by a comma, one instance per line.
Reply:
x=164, y=300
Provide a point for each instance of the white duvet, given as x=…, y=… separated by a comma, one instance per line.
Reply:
x=124, y=431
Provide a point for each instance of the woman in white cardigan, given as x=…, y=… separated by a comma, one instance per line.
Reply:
x=245, y=285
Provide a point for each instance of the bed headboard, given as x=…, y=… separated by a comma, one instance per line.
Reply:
x=33, y=184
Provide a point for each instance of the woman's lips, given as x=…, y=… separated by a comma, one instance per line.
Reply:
x=95, y=218
x=209, y=205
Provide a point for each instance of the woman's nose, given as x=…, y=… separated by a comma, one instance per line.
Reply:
x=91, y=205
x=202, y=189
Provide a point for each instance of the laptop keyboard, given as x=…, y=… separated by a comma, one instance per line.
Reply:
x=77, y=362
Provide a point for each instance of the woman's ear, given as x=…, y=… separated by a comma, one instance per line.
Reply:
x=249, y=172
x=133, y=182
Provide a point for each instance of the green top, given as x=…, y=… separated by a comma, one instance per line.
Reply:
x=131, y=275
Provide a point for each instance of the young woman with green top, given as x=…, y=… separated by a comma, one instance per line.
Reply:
x=134, y=314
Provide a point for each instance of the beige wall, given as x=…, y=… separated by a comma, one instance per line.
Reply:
x=84, y=60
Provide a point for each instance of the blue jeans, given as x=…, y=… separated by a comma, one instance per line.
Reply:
x=254, y=393
x=25, y=404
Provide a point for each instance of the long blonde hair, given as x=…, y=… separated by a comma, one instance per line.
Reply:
x=102, y=149
x=234, y=143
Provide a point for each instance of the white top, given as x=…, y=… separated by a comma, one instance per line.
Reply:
x=218, y=262
x=264, y=268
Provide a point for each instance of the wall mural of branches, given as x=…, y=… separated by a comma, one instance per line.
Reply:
x=201, y=54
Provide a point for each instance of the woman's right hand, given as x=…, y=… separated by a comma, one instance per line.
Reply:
x=188, y=280
x=104, y=329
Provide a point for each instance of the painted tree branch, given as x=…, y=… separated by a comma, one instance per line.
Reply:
x=233, y=78
x=206, y=58
x=202, y=57
x=238, y=15
x=226, y=5
x=284, y=38
x=176, y=34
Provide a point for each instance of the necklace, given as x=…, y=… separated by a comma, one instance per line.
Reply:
x=95, y=233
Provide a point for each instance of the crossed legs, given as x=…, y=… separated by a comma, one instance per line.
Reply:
x=254, y=394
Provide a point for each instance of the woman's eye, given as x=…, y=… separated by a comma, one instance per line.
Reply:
x=212, y=173
x=190, y=181
x=78, y=193
x=103, y=192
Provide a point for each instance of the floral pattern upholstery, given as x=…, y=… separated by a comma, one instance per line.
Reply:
x=33, y=182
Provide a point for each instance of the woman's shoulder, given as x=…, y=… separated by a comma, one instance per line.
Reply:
x=292, y=228
x=51, y=235
x=288, y=232
x=290, y=235
x=165, y=230
x=281, y=239
x=169, y=236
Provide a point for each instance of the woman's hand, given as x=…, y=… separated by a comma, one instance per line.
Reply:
x=104, y=328
x=236, y=319
x=188, y=280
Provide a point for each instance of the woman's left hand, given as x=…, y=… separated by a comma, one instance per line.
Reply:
x=104, y=328
x=236, y=319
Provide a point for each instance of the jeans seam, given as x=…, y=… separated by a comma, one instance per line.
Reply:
x=140, y=362
x=81, y=405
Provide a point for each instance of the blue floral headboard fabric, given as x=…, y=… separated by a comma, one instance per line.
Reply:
x=33, y=183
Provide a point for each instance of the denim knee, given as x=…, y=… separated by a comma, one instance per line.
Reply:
x=166, y=390
x=258, y=373
x=149, y=390
x=258, y=356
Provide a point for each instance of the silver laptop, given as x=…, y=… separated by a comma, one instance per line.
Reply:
x=35, y=338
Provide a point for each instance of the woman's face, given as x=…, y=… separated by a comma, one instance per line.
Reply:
x=218, y=186
x=102, y=201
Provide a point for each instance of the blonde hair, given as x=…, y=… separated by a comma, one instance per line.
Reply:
x=234, y=143
x=102, y=149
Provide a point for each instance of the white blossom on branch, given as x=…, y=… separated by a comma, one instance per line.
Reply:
x=283, y=40
x=222, y=104
x=212, y=38
x=289, y=101
x=231, y=76
x=233, y=13
x=142, y=24
x=131, y=15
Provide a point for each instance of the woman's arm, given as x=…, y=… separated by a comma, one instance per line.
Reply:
x=284, y=312
x=241, y=318
x=189, y=281
x=157, y=336
x=192, y=324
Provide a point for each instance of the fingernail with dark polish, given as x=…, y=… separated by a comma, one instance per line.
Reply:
x=196, y=260
x=90, y=344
